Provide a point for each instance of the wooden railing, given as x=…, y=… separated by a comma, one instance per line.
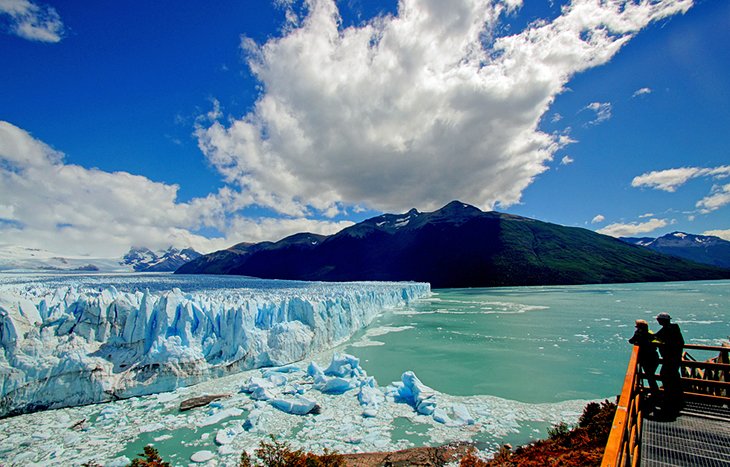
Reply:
x=705, y=380
x=622, y=448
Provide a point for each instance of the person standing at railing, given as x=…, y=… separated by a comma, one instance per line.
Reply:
x=648, y=358
x=670, y=341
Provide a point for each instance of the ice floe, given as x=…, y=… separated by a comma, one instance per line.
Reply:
x=366, y=419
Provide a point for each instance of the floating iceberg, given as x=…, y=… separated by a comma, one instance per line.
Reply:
x=411, y=390
x=297, y=405
x=75, y=344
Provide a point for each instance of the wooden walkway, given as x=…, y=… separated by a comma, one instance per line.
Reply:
x=700, y=436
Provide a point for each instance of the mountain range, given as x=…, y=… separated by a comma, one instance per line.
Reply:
x=142, y=259
x=139, y=259
x=704, y=249
x=455, y=246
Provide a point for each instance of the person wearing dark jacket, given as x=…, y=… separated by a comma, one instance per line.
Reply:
x=648, y=358
x=671, y=345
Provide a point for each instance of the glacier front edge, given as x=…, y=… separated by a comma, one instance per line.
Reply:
x=74, y=345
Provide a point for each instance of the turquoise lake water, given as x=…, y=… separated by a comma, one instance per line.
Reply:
x=535, y=344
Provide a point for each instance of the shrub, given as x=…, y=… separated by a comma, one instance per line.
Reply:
x=580, y=446
x=279, y=454
x=598, y=419
x=558, y=431
x=150, y=458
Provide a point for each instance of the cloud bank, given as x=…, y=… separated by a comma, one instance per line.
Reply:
x=45, y=203
x=719, y=198
x=414, y=109
x=31, y=21
x=632, y=229
x=724, y=234
x=671, y=179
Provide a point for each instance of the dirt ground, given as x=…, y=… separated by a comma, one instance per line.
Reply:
x=422, y=456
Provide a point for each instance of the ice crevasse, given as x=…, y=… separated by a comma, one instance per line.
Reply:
x=72, y=345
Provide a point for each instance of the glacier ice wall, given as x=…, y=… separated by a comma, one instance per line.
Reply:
x=76, y=345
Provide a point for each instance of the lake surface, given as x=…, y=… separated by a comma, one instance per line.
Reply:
x=535, y=344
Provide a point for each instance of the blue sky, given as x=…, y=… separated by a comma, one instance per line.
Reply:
x=173, y=123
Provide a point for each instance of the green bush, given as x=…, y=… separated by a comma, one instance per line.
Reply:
x=150, y=458
x=279, y=454
x=558, y=431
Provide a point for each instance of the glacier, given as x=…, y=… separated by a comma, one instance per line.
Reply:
x=75, y=342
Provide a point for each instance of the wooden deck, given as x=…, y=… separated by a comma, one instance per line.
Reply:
x=699, y=436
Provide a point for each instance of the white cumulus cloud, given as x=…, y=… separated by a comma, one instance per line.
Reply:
x=671, y=179
x=32, y=21
x=719, y=198
x=412, y=109
x=724, y=234
x=602, y=111
x=633, y=229
x=641, y=92
x=566, y=160
x=46, y=203
x=598, y=219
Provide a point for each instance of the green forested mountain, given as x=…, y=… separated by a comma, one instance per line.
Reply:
x=455, y=246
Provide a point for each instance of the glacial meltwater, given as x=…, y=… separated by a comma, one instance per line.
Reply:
x=535, y=344
x=504, y=365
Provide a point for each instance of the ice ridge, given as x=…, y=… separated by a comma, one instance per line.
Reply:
x=75, y=345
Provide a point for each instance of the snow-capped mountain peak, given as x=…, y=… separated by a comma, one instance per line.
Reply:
x=705, y=249
x=142, y=259
x=139, y=259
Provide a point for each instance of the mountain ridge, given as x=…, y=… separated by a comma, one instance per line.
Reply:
x=455, y=246
x=705, y=249
x=142, y=259
x=137, y=259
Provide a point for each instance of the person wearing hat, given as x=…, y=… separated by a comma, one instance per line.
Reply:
x=648, y=358
x=671, y=345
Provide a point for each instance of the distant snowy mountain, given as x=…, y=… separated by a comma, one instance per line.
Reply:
x=36, y=259
x=704, y=249
x=142, y=259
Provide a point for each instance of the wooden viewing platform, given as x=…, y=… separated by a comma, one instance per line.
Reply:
x=699, y=436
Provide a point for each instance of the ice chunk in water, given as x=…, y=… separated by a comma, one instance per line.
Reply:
x=334, y=385
x=461, y=413
x=344, y=365
x=202, y=456
x=441, y=416
x=417, y=394
x=222, y=415
x=369, y=394
x=297, y=405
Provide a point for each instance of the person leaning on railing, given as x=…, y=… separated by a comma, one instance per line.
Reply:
x=648, y=358
x=671, y=344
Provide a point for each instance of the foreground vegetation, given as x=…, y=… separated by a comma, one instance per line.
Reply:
x=579, y=446
x=269, y=454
